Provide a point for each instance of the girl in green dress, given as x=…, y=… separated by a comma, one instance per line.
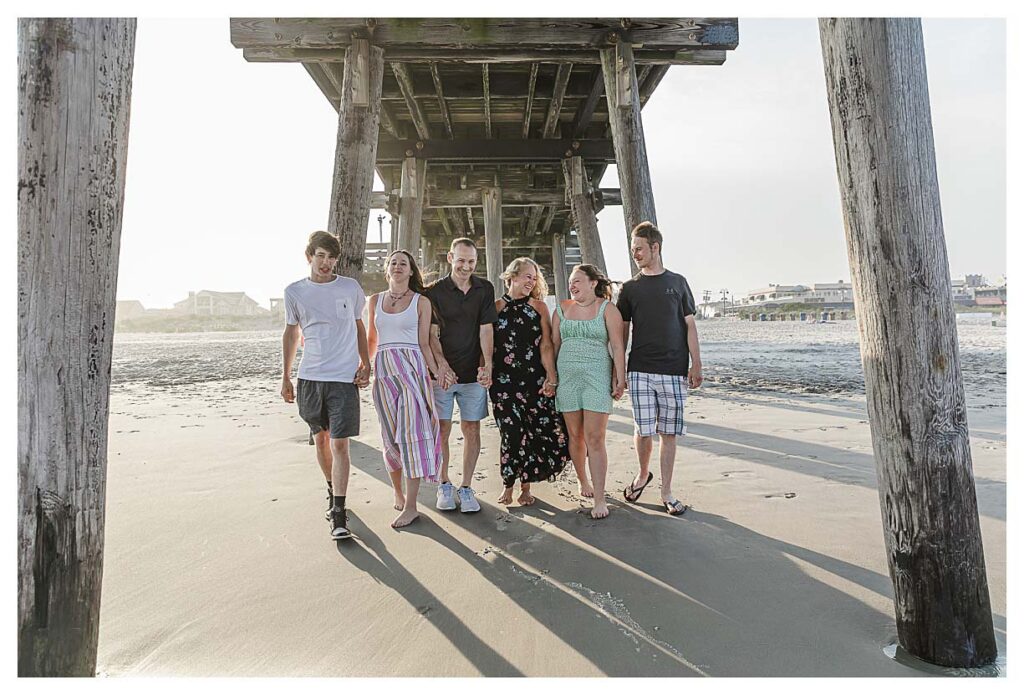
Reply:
x=589, y=379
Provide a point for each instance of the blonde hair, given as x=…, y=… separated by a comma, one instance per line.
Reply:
x=540, y=288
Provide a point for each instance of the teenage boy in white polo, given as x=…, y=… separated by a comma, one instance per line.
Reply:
x=464, y=310
x=335, y=361
x=664, y=359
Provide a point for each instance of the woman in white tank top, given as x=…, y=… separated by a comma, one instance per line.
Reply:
x=402, y=393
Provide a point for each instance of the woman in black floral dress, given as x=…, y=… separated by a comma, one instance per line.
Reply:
x=534, y=446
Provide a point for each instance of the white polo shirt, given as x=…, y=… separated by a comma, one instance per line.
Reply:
x=327, y=313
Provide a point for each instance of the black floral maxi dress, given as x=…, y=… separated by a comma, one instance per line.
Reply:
x=534, y=446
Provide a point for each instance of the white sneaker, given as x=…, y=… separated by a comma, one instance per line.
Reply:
x=467, y=500
x=446, y=497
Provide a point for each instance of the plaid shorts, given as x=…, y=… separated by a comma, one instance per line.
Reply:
x=658, y=401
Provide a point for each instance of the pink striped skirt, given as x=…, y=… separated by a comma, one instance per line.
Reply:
x=404, y=401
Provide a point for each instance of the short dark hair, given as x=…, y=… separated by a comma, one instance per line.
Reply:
x=646, y=230
x=462, y=241
x=324, y=240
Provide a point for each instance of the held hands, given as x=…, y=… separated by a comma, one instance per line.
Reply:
x=550, y=386
x=618, y=387
x=287, y=390
x=483, y=376
x=695, y=377
x=362, y=379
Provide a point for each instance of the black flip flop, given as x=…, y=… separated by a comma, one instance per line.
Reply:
x=636, y=491
x=675, y=507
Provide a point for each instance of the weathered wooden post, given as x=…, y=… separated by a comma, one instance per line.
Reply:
x=885, y=158
x=623, y=96
x=410, y=219
x=558, y=267
x=579, y=194
x=356, y=152
x=74, y=94
x=492, y=237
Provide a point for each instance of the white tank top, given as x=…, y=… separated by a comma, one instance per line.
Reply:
x=402, y=327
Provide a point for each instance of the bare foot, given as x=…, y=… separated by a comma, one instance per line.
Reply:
x=600, y=510
x=399, y=501
x=405, y=518
x=585, y=488
x=525, y=498
x=506, y=496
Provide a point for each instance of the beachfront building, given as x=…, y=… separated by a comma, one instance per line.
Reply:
x=209, y=303
x=129, y=309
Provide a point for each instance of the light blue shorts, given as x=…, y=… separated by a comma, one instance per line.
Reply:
x=472, y=400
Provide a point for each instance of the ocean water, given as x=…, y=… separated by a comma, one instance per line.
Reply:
x=784, y=357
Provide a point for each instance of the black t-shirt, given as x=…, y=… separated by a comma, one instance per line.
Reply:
x=657, y=306
x=462, y=314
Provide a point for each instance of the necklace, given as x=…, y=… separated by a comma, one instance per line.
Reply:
x=394, y=299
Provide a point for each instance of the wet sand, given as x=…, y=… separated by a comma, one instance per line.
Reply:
x=219, y=562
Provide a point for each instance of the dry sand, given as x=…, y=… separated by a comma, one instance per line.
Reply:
x=219, y=562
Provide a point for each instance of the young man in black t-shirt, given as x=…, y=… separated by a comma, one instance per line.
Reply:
x=664, y=359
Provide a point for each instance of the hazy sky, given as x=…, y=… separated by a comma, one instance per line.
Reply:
x=229, y=163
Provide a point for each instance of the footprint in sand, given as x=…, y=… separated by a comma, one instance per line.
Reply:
x=787, y=495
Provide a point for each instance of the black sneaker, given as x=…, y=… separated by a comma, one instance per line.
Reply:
x=339, y=524
x=330, y=501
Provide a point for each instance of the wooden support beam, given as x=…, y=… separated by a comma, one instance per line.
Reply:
x=354, y=157
x=74, y=91
x=360, y=56
x=486, y=72
x=581, y=56
x=491, y=198
x=442, y=216
x=511, y=197
x=885, y=158
x=545, y=226
x=653, y=78
x=628, y=137
x=585, y=111
x=441, y=103
x=557, y=95
x=528, y=109
x=471, y=221
x=316, y=71
x=533, y=223
x=485, y=33
x=419, y=120
x=458, y=225
x=464, y=151
x=585, y=219
x=389, y=123
x=558, y=269
x=414, y=177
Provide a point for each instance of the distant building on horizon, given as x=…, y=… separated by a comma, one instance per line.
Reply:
x=209, y=303
x=128, y=309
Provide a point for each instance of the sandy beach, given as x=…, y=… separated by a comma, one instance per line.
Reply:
x=219, y=561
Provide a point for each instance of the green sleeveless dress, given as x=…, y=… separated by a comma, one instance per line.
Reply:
x=584, y=365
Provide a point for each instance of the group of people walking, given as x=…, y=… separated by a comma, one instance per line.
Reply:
x=551, y=377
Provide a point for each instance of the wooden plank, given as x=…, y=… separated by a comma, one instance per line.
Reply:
x=465, y=150
x=316, y=72
x=360, y=72
x=471, y=221
x=545, y=227
x=558, y=269
x=470, y=197
x=557, y=95
x=585, y=112
x=414, y=176
x=533, y=223
x=528, y=108
x=468, y=34
x=442, y=216
x=354, y=157
x=625, y=75
x=583, y=214
x=491, y=199
x=74, y=91
x=508, y=56
x=885, y=158
x=419, y=121
x=628, y=138
x=486, y=72
x=442, y=105
x=458, y=226
x=389, y=123
x=653, y=78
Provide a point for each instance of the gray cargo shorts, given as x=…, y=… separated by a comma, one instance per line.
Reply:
x=329, y=405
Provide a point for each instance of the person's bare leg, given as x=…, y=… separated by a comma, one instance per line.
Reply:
x=525, y=498
x=340, y=469
x=470, y=450
x=410, y=512
x=445, y=429
x=644, y=448
x=668, y=464
x=322, y=440
x=594, y=427
x=578, y=451
x=396, y=485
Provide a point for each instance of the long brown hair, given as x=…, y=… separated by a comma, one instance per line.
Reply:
x=604, y=285
x=415, y=276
